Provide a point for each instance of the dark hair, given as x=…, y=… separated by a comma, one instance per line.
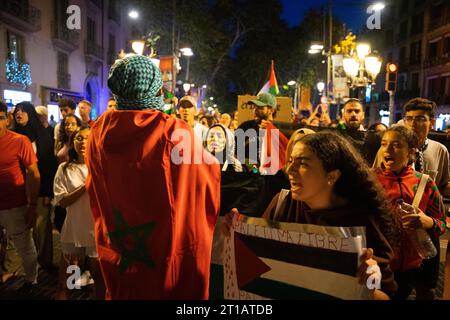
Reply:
x=408, y=135
x=3, y=107
x=63, y=138
x=421, y=104
x=111, y=99
x=73, y=156
x=335, y=152
x=34, y=125
x=67, y=103
x=210, y=119
x=374, y=126
x=351, y=100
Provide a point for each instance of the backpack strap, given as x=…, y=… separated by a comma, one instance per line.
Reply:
x=420, y=190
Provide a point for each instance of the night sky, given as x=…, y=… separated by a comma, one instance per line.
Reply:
x=351, y=12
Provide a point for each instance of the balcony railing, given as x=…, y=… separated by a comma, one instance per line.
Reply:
x=437, y=61
x=20, y=15
x=64, y=38
x=64, y=81
x=93, y=50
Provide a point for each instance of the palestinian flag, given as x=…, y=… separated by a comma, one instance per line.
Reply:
x=268, y=262
x=271, y=86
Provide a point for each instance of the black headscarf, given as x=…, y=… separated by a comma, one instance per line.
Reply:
x=36, y=132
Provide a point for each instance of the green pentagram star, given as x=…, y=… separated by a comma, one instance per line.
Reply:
x=139, y=234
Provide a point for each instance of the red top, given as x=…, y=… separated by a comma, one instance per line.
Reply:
x=154, y=219
x=404, y=186
x=16, y=155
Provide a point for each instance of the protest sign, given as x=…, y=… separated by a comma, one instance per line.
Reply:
x=272, y=260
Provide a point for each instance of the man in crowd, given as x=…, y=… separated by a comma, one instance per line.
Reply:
x=366, y=142
x=84, y=109
x=112, y=105
x=188, y=110
x=18, y=196
x=264, y=110
x=154, y=216
x=43, y=117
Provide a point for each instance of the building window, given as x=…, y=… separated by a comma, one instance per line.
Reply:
x=402, y=55
x=403, y=32
x=415, y=81
x=63, y=71
x=61, y=10
x=414, y=54
x=447, y=45
x=433, y=50
x=401, y=82
x=433, y=88
x=111, y=49
x=15, y=46
x=91, y=31
x=417, y=24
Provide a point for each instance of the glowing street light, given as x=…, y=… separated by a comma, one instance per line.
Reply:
x=378, y=6
x=292, y=83
x=133, y=14
x=138, y=46
x=320, y=86
x=186, y=87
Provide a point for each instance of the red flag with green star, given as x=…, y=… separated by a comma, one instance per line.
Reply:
x=271, y=86
x=154, y=217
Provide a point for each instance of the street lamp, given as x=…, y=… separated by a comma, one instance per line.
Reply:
x=188, y=53
x=133, y=14
x=362, y=68
x=320, y=87
x=186, y=87
x=138, y=46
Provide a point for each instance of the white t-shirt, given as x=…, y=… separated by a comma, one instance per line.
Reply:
x=200, y=131
x=78, y=227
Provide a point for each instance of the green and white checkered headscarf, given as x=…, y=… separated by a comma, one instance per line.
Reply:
x=135, y=83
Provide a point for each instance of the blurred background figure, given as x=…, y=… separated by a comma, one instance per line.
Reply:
x=225, y=120
x=112, y=104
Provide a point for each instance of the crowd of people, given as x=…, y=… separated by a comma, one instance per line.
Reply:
x=148, y=228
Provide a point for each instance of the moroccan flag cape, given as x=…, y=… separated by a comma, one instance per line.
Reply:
x=154, y=217
x=271, y=86
x=273, y=151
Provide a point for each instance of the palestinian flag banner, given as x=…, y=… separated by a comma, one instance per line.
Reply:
x=272, y=260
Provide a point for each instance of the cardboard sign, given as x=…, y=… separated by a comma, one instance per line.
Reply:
x=267, y=260
x=245, y=110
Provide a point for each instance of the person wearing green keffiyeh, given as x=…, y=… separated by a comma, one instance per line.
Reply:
x=136, y=84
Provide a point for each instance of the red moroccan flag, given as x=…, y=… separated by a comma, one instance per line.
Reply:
x=154, y=219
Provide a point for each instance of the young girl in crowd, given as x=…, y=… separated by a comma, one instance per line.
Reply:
x=70, y=124
x=77, y=235
x=331, y=185
x=401, y=182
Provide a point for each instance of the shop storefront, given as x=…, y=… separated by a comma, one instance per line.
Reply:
x=13, y=97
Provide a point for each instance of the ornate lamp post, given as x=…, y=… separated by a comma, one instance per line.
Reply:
x=362, y=67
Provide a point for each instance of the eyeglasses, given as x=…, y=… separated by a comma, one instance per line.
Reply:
x=418, y=119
